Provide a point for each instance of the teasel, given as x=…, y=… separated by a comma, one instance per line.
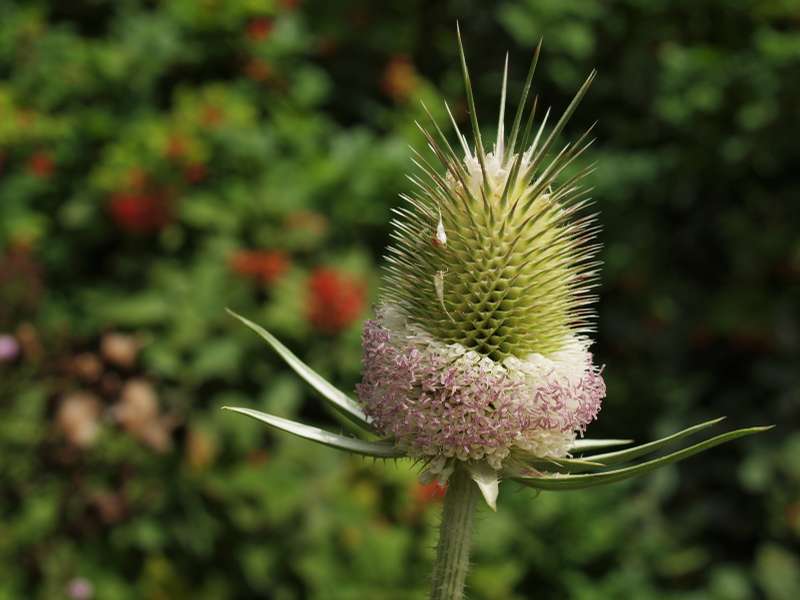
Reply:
x=477, y=363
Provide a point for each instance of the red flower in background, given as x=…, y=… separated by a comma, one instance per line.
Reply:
x=428, y=493
x=41, y=165
x=259, y=29
x=264, y=265
x=336, y=300
x=140, y=211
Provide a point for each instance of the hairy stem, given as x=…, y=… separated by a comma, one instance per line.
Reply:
x=452, y=554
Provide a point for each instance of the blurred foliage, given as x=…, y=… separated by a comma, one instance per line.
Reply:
x=160, y=161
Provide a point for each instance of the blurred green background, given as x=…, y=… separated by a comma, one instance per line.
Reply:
x=161, y=160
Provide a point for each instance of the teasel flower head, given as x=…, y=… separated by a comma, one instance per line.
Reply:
x=479, y=357
x=480, y=349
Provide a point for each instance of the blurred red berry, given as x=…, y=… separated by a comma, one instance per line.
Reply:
x=336, y=300
x=41, y=165
x=259, y=29
x=264, y=265
x=430, y=492
x=289, y=5
x=139, y=212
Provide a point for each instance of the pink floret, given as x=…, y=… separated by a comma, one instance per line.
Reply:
x=436, y=405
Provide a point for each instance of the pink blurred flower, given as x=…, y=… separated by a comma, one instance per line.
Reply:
x=80, y=588
x=9, y=348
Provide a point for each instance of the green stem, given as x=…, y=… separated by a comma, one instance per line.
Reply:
x=452, y=554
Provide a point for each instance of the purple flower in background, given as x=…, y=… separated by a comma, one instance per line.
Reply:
x=80, y=588
x=9, y=348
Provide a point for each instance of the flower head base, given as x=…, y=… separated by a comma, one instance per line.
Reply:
x=444, y=401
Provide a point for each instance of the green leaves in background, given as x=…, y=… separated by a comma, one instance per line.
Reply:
x=281, y=128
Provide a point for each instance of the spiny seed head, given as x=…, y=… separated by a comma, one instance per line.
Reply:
x=493, y=250
x=479, y=346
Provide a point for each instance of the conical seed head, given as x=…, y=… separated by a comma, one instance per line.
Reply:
x=492, y=251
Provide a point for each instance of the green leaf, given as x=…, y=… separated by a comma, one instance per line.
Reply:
x=338, y=399
x=376, y=449
x=576, y=482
